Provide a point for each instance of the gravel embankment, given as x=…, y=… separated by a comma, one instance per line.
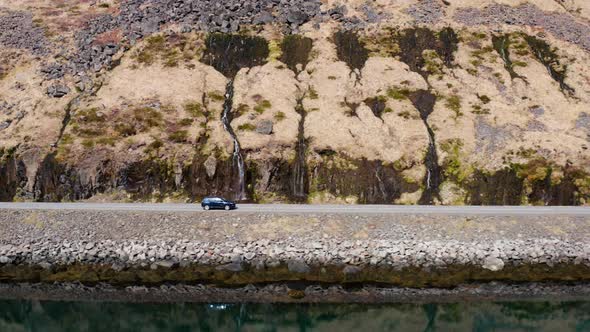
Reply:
x=242, y=248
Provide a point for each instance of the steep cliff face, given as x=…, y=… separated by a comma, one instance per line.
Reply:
x=396, y=102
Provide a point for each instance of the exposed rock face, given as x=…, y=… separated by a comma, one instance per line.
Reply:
x=296, y=101
x=211, y=166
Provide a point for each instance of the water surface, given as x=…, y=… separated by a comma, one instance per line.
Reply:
x=21, y=315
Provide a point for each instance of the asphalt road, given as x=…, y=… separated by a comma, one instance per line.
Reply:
x=309, y=209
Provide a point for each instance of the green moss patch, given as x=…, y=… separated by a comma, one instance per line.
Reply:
x=247, y=127
x=170, y=50
x=453, y=102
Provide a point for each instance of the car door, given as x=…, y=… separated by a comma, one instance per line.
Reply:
x=218, y=203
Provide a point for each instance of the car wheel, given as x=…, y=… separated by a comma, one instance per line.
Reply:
x=227, y=208
x=206, y=207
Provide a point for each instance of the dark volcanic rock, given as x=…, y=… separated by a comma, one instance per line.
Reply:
x=18, y=31
x=58, y=90
x=561, y=25
x=264, y=127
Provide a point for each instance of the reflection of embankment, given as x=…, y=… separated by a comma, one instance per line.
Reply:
x=229, y=309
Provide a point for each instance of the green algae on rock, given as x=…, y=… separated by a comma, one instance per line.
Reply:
x=424, y=102
x=296, y=51
x=351, y=49
x=229, y=53
x=547, y=55
x=410, y=45
x=502, y=46
x=370, y=182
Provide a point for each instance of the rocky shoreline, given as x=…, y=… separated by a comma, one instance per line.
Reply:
x=406, y=263
x=407, y=251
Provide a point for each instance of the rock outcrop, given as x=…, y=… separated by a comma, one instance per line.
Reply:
x=431, y=102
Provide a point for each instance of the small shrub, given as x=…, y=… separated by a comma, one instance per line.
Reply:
x=194, y=109
x=476, y=62
x=103, y=5
x=66, y=139
x=216, y=96
x=313, y=94
x=262, y=106
x=106, y=141
x=332, y=78
x=477, y=109
x=89, y=132
x=88, y=143
x=247, y=127
x=266, y=104
x=171, y=57
x=484, y=99
x=454, y=103
x=186, y=122
x=154, y=45
x=480, y=35
x=155, y=145
x=242, y=109
x=398, y=94
x=125, y=129
x=179, y=136
x=259, y=109
x=168, y=108
x=148, y=116
x=280, y=116
x=405, y=114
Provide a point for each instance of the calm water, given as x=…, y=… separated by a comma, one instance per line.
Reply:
x=111, y=317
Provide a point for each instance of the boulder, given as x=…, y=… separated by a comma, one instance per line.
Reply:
x=298, y=266
x=296, y=16
x=4, y=125
x=351, y=269
x=493, y=264
x=264, y=127
x=57, y=90
x=232, y=267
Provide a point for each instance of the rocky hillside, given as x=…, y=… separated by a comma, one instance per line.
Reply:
x=398, y=101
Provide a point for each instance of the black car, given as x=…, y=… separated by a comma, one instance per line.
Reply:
x=209, y=203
